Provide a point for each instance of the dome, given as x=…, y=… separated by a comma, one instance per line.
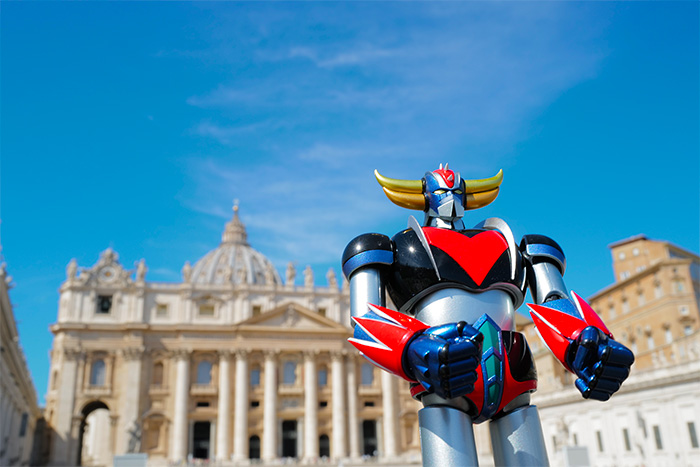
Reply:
x=234, y=261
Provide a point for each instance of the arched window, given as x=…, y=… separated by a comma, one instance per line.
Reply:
x=255, y=376
x=158, y=374
x=324, y=446
x=204, y=372
x=290, y=373
x=367, y=374
x=254, y=447
x=97, y=373
x=323, y=377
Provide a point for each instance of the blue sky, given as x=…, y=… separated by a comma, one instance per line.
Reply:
x=134, y=125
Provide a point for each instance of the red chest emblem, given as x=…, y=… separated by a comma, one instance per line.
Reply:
x=476, y=255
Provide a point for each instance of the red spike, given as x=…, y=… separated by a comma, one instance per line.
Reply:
x=566, y=325
x=590, y=315
x=557, y=343
x=402, y=318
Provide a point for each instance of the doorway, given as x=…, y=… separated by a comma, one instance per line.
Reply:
x=201, y=440
x=369, y=438
x=289, y=438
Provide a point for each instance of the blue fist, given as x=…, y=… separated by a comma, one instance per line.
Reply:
x=444, y=359
x=600, y=363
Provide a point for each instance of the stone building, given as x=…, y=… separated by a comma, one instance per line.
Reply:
x=231, y=364
x=653, y=308
x=20, y=415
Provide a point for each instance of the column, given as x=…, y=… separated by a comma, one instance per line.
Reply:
x=310, y=406
x=240, y=413
x=224, y=406
x=179, y=443
x=390, y=414
x=130, y=400
x=353, y=426
x=64, y=409
x=338, y=416
x=269, y=441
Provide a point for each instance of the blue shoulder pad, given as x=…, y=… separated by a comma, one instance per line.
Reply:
x=372, y=248
x=538, y=249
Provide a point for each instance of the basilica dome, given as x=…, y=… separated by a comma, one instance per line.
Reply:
x=234, y=261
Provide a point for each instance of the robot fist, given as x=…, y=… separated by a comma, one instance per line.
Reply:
x=600, y=363
x=444, y=359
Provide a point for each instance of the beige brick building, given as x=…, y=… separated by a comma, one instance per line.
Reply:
x=653, y=308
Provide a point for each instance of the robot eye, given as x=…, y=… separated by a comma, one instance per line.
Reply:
x=457, y=192
x=440, y=192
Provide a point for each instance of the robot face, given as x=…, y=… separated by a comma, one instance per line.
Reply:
x=444, y=192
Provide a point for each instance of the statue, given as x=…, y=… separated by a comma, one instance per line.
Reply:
x=186, y=272
x=332, y=280
x=308, y=277
x=454, y=335
x=141, y=270
x=291, y=274
x=72, y=270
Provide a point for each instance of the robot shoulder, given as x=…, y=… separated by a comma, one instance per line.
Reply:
x=367, y=249
x=539, y=248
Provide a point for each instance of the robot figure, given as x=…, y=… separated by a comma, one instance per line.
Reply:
x=454, y=336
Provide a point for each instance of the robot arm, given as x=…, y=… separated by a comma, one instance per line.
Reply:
x=571, y=329
x=443, y=358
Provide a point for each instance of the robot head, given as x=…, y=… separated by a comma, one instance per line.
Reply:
x=442, y=193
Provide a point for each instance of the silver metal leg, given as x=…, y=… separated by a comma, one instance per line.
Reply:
x=517, y=439
x=446, y=437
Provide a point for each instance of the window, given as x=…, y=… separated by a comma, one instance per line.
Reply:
x=657, y=437
x=650, y=342
x=162, y=310
x=621, y=256
x=693, y=435
x=97, y=373
x=678, y=286
x=658, y=292
x=367, y=374
x=369, y=404
x=255, y=376
x=289, y=373
x=669, y=336
x=202, y=404
x=633, y=346
x=206, y=310
x=257, y=310
x=322, y=311
x=255, y=404
x=612, y=311
x=626, y=436
x=683, y=310
x=635, y=252
x=104, y=304
x=204, y=372
x=323, y=404
x=599, y=437
x=687, y=330
x=640, y=299
x=625, y=306
x=624, y=275
x=157, y=374
x=322, y=377
x=23, y=425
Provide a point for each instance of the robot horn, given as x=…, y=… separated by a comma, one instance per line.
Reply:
x=406, y=200
x=481, y=199
x=403, y=186
x=485, y=184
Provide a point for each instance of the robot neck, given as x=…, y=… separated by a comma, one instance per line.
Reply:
x=454, y=223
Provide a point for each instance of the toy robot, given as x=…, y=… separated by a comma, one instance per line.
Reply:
x=454, y=335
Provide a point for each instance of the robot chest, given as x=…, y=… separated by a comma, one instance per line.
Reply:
x=476, y=260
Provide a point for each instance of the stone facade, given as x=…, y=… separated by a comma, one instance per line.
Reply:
x=231, y=365
x=20, y=415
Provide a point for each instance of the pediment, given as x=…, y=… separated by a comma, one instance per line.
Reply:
x=292, y=316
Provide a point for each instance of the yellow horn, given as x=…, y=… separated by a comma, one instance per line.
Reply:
x=479, y=200
x=486, y=184
x=406, y=200
x=404, y=186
